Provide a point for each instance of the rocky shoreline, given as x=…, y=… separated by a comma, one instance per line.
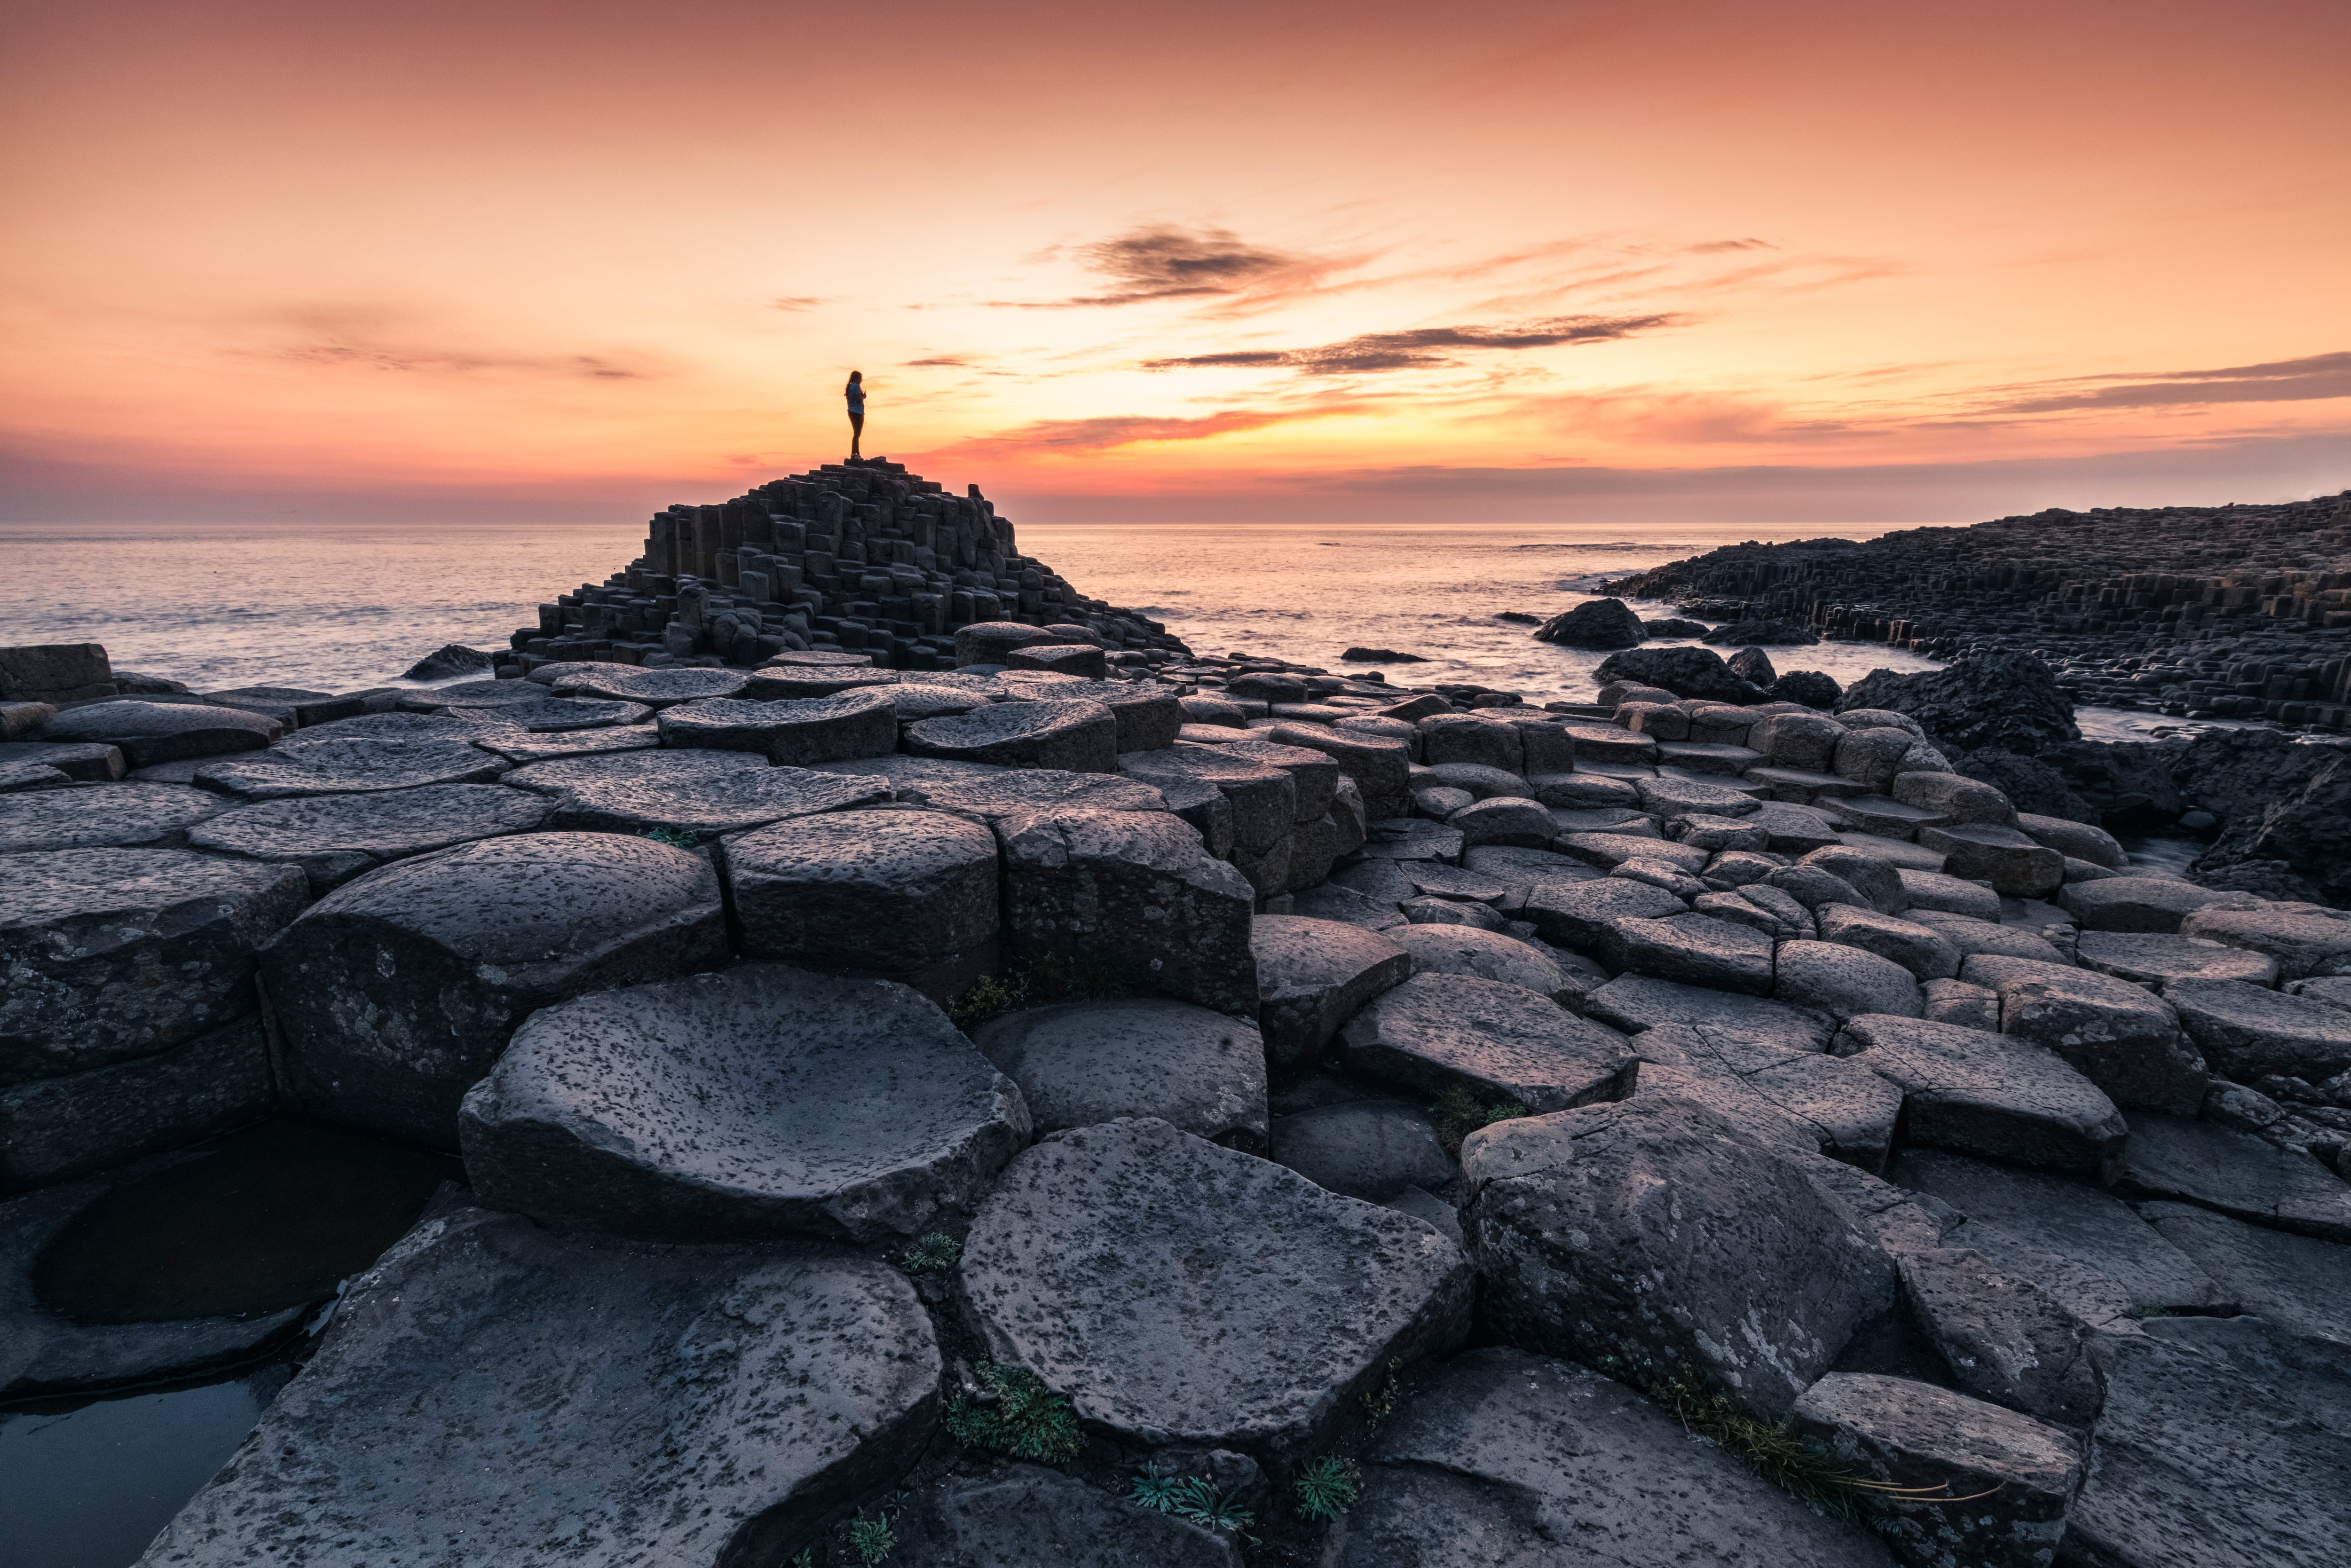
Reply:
x=945, y=1076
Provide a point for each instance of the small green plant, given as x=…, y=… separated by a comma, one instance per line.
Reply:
x=1192, y=1497
x=804, y=1558
x=1048, y=977
x=675, y=838
x=1460, y=1113
x=931, y=1254
x=989, y=996
x=1379, y=1400
x=1327, y=1488
x=1015, y=1414
x=871, y=1538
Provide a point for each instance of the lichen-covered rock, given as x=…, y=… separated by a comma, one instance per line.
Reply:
x=2124, y=1039
x=119, y=816
x=1078, y=1064
x=1498, y=1042
x=334, y=838
x=1651, y=1230
x=760, y=1102
x=2001, y=1336
x=1313, y=976
x=398, y=991
x=704, y=793
x=577, y=1400
x=1084, y=1267
x=1990, y=1095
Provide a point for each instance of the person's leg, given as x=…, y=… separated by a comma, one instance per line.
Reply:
x=856, y=430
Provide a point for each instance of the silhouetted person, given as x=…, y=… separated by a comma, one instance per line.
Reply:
x=855, y=392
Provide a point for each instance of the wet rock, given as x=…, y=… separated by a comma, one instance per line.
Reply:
x=1635, y=1003
x=477, y=1327
x=1073, y=736
x=333, y=838
x=2019, y=1474
x=2149, y=959
x=764, y=1101
x=654, y=688
x=2222, y=1445
x=705, y=793
x=93, y=764
x=1505, y=1457
x=1081, y=1270
x=2299, y=1282
x=1489, y=956
x=54, y=1128
x=2001, y=1336
x=334, y=765
x=1371, y=1149
x=111, y=955
x=2119, y=1037
x=1027, y=1515
x=2304, y=941
x=398, y=990
x=1652, y=1231
x=1686, y=672
x=1498, y=1042
x=1988, y=1095
x=2235, y=1173
x=1921, y=949
x=1078, y=1064
x=797, y=734
x=451, y=659
x=119, y=816
x=897, y=894
x=1136, y=891
x=1596, y=624
x=151, y=733
x=2248, y=1031
x=1690, y=950
x=1843, y=982
x=1314, y=975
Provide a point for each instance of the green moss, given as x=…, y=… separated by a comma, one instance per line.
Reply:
x=1019, y=1416
x=1327, y=1488
x=931, y=1254
x=1460, y=1114
x=676, y=838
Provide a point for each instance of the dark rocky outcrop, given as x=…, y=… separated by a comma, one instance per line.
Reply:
x=1685, y=672
x=2003, y=700
x=1596, y=624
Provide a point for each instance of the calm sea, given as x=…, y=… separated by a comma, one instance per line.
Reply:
x=298, y=604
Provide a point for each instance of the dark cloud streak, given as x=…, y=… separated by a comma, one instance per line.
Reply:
x=1424, y=348
x=2276, y=380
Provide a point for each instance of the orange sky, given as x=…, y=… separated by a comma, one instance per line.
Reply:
x=1896, y=260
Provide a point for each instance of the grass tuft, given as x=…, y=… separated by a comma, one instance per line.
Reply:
x=1327, y=1488
x=1192, y=1497
x=1015, y=1414
x=932, y=1253
x=675, y=838
x=1050, y=977
x=1460, y=1114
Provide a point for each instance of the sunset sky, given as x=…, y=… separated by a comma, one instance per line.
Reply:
x=1813, y=259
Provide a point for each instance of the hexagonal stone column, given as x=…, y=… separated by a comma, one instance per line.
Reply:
x=398, y=990
x=1181, y=1292
x=1313, y=976
x=578, y=1400
x=897, y=894
x=1077, y=736
x=1500, y=1041
x=334, y=838
x=764, y=1100
x=700, y=792
x=333, y=763
x=1082, y=1062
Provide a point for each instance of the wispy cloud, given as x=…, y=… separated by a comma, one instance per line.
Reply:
x=1167, y=261
x=378, y=356
x=2276, y=380
x=1709, y=247
x=795, y=302
x=1424, y=348
x=938, y=362
x=1046, y=436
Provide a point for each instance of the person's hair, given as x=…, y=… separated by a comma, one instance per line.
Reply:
x=857, y=375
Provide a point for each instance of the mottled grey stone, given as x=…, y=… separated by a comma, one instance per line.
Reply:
x=764, y=1101
x=334, y=838
x=2235, y=1173
x=1921, y=949
x=1371, y=1149
x=1689, y=949
x=2019, y=1474
x=2001, y=1336
x=1029, y=1515
x=2305, y=941
x=1334, y=902
x=701, y=792
x=896, y=894
x=2121, y=1038
x=1078, y=1064
x=1843, y=982
x=1084, y=1267
x=1636, y=1002
x=1263, y=800
x=109, y=955
x=1931, y=890
x=70, y=1125
x=1313, y=976
x=522, y=748
x=150, y=733
x=1576, y=914
x=792, y=683
x=114, y=816
x=1653, y=1230
x=2149, y=958
x=1073, y=736
x=2299, y=1282
x=1410, y=838
x=577, y=1400
x=332, y=765
x=2155, y=904
x=1491, y=955
x=1821, y=1104
x=1990, y=1096
x=1500, y=1041
x=1972, y=937
x=2224, y=1443
x=2016, y=866
x=1510, y=1459
x=797, y=734
x=2247, y=1030
x=561, y=715
x=654, y=688
x=398, y=990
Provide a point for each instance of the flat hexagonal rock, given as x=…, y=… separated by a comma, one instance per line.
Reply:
x=1502, y=1448
x=1263, y=799
x=2298, y=1282
x=654, y=688
x=397, y=991
x=559, y=715
x=1690, y=950
x=1081, y=1062
x=2247, y=1030
x=1181, y=1292
x=896, y=894
x=1843, y=982
x=1313, y=976
x=2149, y=959
x=1923, y=950
x=2224, y=1443
x=577, y=1400
x=1490, y=956
x=1371, y=1149
x=1821, y=1104
x=2001, y=1336
x=360, y=764
x=2303, y=940
x=704, y=792
x=1074, y=737
x=1576, y=914
x=150, y=733
x=2058, y=1219
x=1030, y=1515
x=2236, y=1173
x=799, y=682
x=522, y=748
x=334, y=838
x=797, y=734
x=1986, y=1095
x=106, y=816
x=1654, y=1230
x=115, y=953
x=1636, y=1002
x=2120, y=1037
x=763, y=1101
x=1436, y=1032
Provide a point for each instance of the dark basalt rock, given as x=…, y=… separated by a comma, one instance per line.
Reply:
x=1384, y=655
x=1755, y=665
x=701, y=792
x=1685, y=672
x=1675, y=627
x=1808, y=688
x=1764, y=633
x=115, y=815
x=1032, y=1515
x=452, y=659
x=1070, y=737
x=334, y=838
x=151, y=732
x=2006, y=700
x=1597, y=623
x=332, y=765
x=1082, y=1062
